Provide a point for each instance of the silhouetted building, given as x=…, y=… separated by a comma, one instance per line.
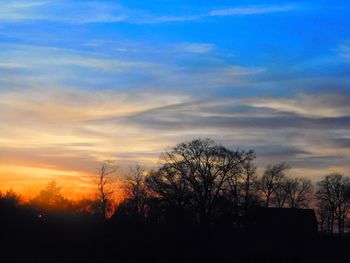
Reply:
x=288, y=222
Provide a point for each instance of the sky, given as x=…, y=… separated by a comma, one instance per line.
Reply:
x=85, y=81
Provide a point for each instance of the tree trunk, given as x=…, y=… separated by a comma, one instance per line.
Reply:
x=267, y=201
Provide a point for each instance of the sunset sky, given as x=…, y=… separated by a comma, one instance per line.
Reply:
x=84, y=81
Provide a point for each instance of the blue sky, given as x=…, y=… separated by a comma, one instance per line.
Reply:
x=82, y=81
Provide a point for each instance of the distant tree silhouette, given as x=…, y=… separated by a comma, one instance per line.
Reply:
x=50, y=198
x=280, y=196
x=86, y=205
x=325, y=216
x=249, y=183
x=136, y=190
x=194, y=174
x=10, y=197
x=271, y=184
x=299, y=192
x=170, y=195
x=334, y=201
x=105, y=188
x=241, y=190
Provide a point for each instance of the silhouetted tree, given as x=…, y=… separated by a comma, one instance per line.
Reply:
x=50, y=198
x=271, y=183
x=334, y=195
x=10, y=197
x=136, y=190
x=86, y=205
x=299, y=191
x=240, y=188
x=249, y=180
x=325, y=216
x=195, y=173
x=170, y=193
x=105, y=188
x=280, y=196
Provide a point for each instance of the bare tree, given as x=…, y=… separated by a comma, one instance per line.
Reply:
x=281, y=196
x=196, y=173
x=242, y=186
x=298, y=192
x=233, y=188
x=50, y=198
x=136, y=190
x=249, y=179
x=271, y=181
x=105, y=187
x=167, y=184
x=334, y=194
x=326, y=202
x=325, y=215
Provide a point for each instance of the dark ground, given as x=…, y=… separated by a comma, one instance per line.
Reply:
x=85, y=239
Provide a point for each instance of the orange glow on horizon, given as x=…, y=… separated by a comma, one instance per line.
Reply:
x=28, y=181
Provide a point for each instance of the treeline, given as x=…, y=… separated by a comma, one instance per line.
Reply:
x=204, y=182
x=200, y=183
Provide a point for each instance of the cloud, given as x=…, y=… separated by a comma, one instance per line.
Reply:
x=75, y=129
x=344, y=52
x=252, y=10
x=151, y=19
x=238, y=11
x=86, y=12
x=33, y=66
x=241, y=116
x=290, y=135
x=199, y=48
x=320, y=106
x=12, y=4
x=231, y=114
x=62, y=142
x=77, y=12
x=13, y=10
x=9, y=65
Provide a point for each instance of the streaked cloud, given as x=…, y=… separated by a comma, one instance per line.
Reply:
x=150, y=19
x=9, y=65
x=55, y=134
x=21, y=10
x=79, y=12
x=85, y=12
x=75, y=129
x=237, y=11
x=344, y=51
x=252, y=10
x=35, y=66
x=199, y=48
x=320, y=106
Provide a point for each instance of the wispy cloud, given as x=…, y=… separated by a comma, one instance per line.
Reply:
x=9, y=65
x=296, y=136
x=344, y=51
x=152, y=19
x=84, y=12
x=74, y=129
x=321, y=106
x=17, y=5
x=199, y=48
x=17, y=10
x=77, y=12
x=252, y=10
x=30, y=66
x=237, y=11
